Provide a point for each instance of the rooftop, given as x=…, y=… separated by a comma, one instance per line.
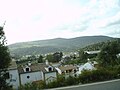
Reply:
x=34, y=67
x=67, y=67
x=92, y=52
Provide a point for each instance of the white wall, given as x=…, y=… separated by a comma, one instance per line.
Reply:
x=14, y=78
x=33, y=76
x=86, y=66
x=50, y=76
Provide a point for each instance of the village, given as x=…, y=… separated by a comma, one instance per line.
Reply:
x=30, y=72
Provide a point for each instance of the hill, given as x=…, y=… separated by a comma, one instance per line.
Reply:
x=53, y=45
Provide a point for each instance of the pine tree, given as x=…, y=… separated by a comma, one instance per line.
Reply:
x=4, y=61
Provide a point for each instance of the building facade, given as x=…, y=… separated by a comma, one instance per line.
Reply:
x=13, y=76
x=30, y=73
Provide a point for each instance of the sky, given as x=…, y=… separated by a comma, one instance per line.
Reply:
x=29, y=20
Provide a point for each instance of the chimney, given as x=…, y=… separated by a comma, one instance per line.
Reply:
x=29, y=63
x=46, y=62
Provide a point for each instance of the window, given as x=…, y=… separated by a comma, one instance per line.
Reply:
x=50, y=69
x=28, y=77
x=13, y=80
x=67, y=71
x=7, y=75
x=70, y=70
x=27, y=70
x=75, y=71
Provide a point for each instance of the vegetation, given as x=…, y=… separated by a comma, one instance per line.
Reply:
x=94, y=47
x=61, y=81
x=55, y=45
x=55, y=57
x=108, y=54
x=40, y=59
x=108, y=69
x=100, y=74
x=4, y=61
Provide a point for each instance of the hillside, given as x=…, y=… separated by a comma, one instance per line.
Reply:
x=53, y=45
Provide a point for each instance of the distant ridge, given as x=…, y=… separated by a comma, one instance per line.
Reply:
x=53, y=45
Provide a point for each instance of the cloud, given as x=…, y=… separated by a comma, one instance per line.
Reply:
x=42, y=19
x=113, y=20
x=113, y=30
x=114, y=23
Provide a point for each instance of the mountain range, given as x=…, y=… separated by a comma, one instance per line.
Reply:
x=54, y=45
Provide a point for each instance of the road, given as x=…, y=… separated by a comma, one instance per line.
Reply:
x=107, y=85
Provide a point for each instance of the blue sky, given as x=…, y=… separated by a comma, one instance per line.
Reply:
x=29, y=20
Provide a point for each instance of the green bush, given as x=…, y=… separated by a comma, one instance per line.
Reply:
x=52, y=84
x=62, y=81
x=97, y=75
x=71, y=80
x=33, y=86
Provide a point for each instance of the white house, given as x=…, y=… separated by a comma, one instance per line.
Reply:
x=67, y=70
x=92, y=52
x=50, y=76
x=13, y=77
x=87, y=66
x=29, y=73
x=36, y=72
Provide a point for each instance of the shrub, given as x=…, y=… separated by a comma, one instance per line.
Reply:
x=71, y=80
x=97, y=75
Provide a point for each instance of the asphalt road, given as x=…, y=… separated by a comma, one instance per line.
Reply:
x=107, y=85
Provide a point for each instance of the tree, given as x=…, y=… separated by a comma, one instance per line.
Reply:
x=83, y=56
x=32, y=58
x=108, y=54
x=40, y=59
x=57, y=56
x=4, y=60
x=49, y=57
